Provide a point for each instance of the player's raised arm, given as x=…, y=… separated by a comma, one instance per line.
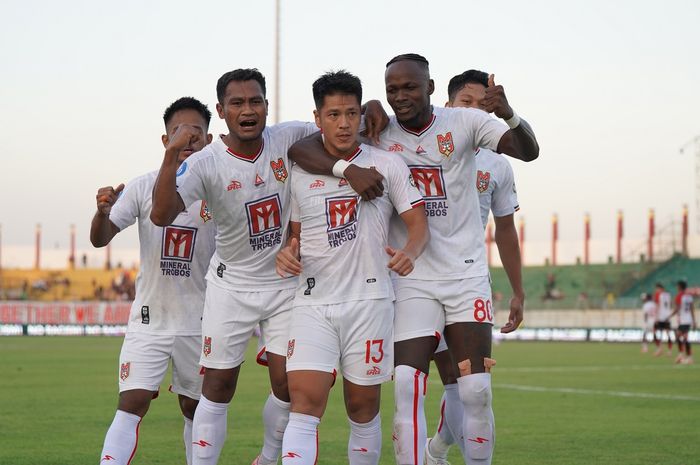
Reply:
x=376, y=120
x=102, y=230
x=402, y=260
x=167, y=203
x=313, y=158
x=519, y=141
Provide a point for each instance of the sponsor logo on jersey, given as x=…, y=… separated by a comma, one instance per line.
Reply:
x=431, y=184
x=411, y=181
x=445, y=144
x=181, y=170
x=220, y=270
x=235, y=185
x=290, y=348
x=206, y=348
x=264, y=222
x=145, y=316
x=343, y=182
x=124, y=370
x=258, y=180
x=310, y=284
x=177, y=250
x=317, y=184
x=341, y=219
x=482, y=181
x=420, y=150
x=396, y=148
x=279, y=170
x=374, y=371
x=204, y=212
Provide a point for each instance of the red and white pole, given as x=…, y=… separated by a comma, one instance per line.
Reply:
x=586, y=237
x=37, y=247
x=555, y=237
x=652, y=231
x=71, y=256
x=684, y=241
x=620, y=233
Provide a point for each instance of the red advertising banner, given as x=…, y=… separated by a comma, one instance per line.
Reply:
x=65, y=313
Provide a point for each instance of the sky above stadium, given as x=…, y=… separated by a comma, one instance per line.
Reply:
x=611, y=89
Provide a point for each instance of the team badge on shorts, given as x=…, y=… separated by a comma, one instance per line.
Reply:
x=482, y=181
x=279, y=170
x=290, y=348
x=445, y=144
x=124, y=370
x=206, y=348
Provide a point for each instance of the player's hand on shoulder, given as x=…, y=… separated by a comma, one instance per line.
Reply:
x=495, y=100
x=376, y=120
x=400, y=262
x=367, y=182
x=106, y=197
x=516, y=314
x=287, y=262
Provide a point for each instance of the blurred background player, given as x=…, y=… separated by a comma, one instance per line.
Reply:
x=649, y=315
x=686, y=320
x=662, y=325
x=165, y=318
x=343, y=310
x=495, y=185
x=244, y=177
x=450, y=286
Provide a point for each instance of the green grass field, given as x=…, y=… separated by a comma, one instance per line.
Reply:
x=555, y=403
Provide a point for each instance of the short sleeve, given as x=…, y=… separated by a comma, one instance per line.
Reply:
x=189, y=179
x=485, y=131
x=504, y=201
x=402, y=188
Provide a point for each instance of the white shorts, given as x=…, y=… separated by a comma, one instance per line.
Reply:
x=230, y=318
x=357, y=336
x=144, y=358
x=424, y=308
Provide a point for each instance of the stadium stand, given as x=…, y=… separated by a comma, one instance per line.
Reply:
x=668, y=273
x=63, y=285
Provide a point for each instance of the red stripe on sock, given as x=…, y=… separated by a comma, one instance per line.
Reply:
x=133, y=452
x=442, y=415
x=415, y=417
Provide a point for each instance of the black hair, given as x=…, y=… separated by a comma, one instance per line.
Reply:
x=471, y=76
x=336, y=82
x=410, y=57
x=683, y=285
x=660, y=285
x=244, y=74
x=187, y=103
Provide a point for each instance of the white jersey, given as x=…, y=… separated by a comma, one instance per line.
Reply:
x=685, y=314
x=170, y=285
x=496, y=185
x=441, y=159
x=664, y=306
x=342, y=237
x=649, y=311
x=249, y=197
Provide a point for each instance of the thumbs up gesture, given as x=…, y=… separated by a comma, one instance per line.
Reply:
x=106, y=196
x=288, y=261
x=400, y=261
x=495, y=100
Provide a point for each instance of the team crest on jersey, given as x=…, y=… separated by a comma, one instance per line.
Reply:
x=124, y=370
x=445, y=144
x=206, y=347
x=204, y=212
x=279, y=170
x=290, y=348
x=264, y=222
x=482, y=181
x=431, y=184
x=341, y=219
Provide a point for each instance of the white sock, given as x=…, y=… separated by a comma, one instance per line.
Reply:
x=300, y=443
x=187, y=438
x=410, y=429
x=208, y=431
x=275, y=419
x=121, y=439
x=439, y=444
x=454, y=415
x=365, y=443
x=478, y=423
